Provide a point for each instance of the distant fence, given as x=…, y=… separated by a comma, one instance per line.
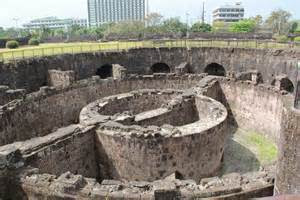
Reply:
x=119, y=46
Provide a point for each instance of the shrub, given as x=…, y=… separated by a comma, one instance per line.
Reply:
x=281, y=38
x=12, y=44
x=34, y=42
x=297, y=39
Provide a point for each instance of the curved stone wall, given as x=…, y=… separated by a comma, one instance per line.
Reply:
x=52, y=108
x=79, y=151
x=186, y=135
x=261, y=108
x=256, y=108
x=31, y=74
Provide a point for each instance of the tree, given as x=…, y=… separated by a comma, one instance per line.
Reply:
x=154, y=23
x=75, y=30
x=201, y=27
x=59, y=32
x=258, y=20
x=243, y=26
x=2, y=33
x=278, y=21
x=154, y=19
x=46, y=33
x=219, y=26
x=126, y=28
x=174, y=25
x=294, y=26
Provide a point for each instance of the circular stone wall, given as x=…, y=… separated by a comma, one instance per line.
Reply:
x=185, y=135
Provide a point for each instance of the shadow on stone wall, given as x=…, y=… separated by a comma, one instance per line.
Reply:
x=238, y=159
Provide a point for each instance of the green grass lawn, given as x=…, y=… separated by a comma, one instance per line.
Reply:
x=61, y=48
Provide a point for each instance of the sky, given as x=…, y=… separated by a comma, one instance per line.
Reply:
x=26, y=10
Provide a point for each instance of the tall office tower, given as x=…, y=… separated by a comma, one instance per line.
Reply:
x=106, y=11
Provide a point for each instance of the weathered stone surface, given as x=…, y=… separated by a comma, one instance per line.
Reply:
x=144, y=135
x=32, y=73
x=57, y=78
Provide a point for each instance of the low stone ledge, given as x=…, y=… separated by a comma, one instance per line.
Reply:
x=75, y=186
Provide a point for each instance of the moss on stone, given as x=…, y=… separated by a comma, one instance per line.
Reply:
x=265, y=149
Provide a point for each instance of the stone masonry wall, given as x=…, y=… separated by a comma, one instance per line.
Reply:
x=155, y=158
x=50, y=109
x=256, y=108
x=57, y=78
x=69, y=186
x=288, y=167
x=7, y=95
x=68, y=149
x=32, y=73
x=193, y=147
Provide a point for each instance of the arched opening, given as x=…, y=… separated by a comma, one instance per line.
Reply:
x=104, y=71
x=160, y=68
x=283, y=84
x=287, y=85
x=215, y=69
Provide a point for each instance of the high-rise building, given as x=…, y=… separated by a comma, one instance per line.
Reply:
x=54, y=23
x=229, y=13
x=106, y=11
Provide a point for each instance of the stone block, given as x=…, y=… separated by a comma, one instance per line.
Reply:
x=167, y=195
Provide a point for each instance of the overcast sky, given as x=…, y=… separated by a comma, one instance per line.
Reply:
x=26, y=10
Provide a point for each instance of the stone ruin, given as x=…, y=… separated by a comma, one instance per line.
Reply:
x=118, y=135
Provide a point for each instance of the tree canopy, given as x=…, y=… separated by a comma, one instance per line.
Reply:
x=201, y=27
x=243, y=26
x=278, y=21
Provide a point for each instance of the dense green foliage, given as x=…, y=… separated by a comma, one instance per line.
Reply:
x=243, y=26
x=174, y=25
x=201, y=27
x=294, y=27
x=34, y=42
x=13, y=33
x=12, y=44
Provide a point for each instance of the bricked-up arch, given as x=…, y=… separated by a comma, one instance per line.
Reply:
x=215, y=69
x=160, y=68
x=104, y=71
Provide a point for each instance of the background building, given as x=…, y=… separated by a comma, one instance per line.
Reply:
x=105, y=11
x=229, y=13
x=54, y=23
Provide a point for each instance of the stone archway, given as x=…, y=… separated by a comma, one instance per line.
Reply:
x=215, y=69
x=105, y=71
x=283, y=83
x=160, y=68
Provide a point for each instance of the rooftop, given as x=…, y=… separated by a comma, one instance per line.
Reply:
x=227, y=5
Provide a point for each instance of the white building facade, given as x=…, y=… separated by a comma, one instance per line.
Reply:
x=54, y=23
x=107, y=11
x=229, y=13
